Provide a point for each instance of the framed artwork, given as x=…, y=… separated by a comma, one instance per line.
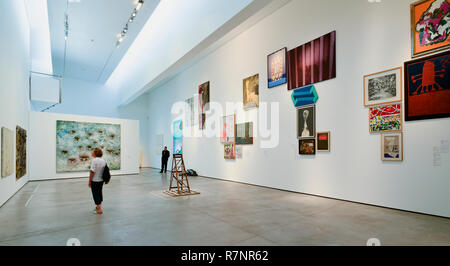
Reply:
x=244, y=133
x=203, y=97
x=228, y=129
x=306, y=122
x=383, y=87
x=229, y=150
x=7, y=152
x=21, y=152
x=430, y=26
x=201, y=121
x=277, y=68
x=75, y=142
x=385, y=118
x=307, y=146
x=238, y=150
x=427, y=87
x=323, y=141
x=190, y=112
x=251, y=92
x=177, y=136
x=392, y=147
x=312, y=62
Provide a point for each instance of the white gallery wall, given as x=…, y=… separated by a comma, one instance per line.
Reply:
x=42, y=142
x=14, y=72
x=371, y=37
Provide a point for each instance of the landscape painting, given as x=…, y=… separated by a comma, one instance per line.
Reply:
x=392, y=147
x=75, y=142
x=383, y=87
x=312, y=62
x=7, y=152
x=21, y=152
x=385, y=118
x=244, y=133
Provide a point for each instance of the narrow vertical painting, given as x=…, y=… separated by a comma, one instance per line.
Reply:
x=392, y=147
x=427, y=87
x=238, y=150
x=227, y=130
x=190, y=112
x=385, y=118
x=251, y=92
x=229, y=150
x=7, y=152
x=430, y=26
x=177, y=136
x=312, y=62
x=203, y=97
x=244, y=133
x=75, y=142
x=323, y=141
x=21, y=152
x=277, y=68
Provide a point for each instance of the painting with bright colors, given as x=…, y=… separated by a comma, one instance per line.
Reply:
x=385, y=118
x=229, y=150
x=277, y=68
x=307, y=146
x=227, y=130
x=178, y=136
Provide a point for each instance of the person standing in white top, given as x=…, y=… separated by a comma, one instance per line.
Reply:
x=96, y=179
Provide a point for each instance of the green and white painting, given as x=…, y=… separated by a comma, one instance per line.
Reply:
x=75, y=142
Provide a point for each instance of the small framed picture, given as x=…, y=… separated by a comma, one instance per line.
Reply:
x=386, y=118
x=307, y=146
x=323, y=141
x=251, y=92
x=383, y=87
x=229, y=151
x=392, y=147
x=306, y=122
x=277, y=68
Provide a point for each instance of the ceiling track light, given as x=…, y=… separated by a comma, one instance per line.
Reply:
x=121, y=36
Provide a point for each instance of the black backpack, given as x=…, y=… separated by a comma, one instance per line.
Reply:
x=106, y=174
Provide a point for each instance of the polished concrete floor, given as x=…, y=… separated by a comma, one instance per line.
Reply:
x=225, y=213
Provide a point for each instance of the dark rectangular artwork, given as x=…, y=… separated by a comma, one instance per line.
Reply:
x=21, y=152
x=306, y=122
x=312, y=62
x=427, y=87
x=323, y=141
x=307, y=146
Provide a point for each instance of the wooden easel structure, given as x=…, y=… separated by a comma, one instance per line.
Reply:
x=178, y=174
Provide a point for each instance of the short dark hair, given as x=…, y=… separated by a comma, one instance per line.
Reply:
x=98, y=152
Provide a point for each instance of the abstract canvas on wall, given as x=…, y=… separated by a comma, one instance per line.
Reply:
x=228, y=129
x=383, y=87
x=385, y=118
x=229, y=152
x=306, y=122
x=277, y=68
x=203, y=97
x=304, y=96
x=251, y=92
x=312, y=62
x=430, y=26
x=392, y=147
x=427, y=87
x=177, y=136
x=307, y=146
x=323, y=141
x=244, y=133
x=7, y=152
x=21, y=152
x=75, y=142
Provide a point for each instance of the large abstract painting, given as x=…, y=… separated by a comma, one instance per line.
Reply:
x=178, y=136
x=277, y=68
x=430, y=26
x=427, y=87
x=383, y=87
x=306, y=122
x=244, y=133
x=312, y=62
x=7, y=152
x=227, y=130
x=75, y=142
x=251, y=92
x=392, y=147
x=21, y=152
x=385, y=118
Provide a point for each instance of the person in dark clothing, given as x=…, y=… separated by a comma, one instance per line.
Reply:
x=164, y=159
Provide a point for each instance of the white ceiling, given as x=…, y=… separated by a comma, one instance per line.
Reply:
x=91, y=52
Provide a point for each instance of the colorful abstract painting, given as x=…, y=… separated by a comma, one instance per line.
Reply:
x=21, y=152
x=323, y=141
x=385, y=118
x=430, y=26
x=229, y=150
x=7, y=152
x=307, y=146
x=227, y=130
x=177, y=136
x=75, y=142
x=427, y=87
x=251, y=92
x=312, y=62
x=392, y=147
x=244, y=133
x=383, y=87
x=277, y=68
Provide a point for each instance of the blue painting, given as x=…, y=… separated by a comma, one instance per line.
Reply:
x=177, y=136
x=75, y=142
x=276, y=68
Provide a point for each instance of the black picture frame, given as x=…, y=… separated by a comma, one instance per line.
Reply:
x=273, y=84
